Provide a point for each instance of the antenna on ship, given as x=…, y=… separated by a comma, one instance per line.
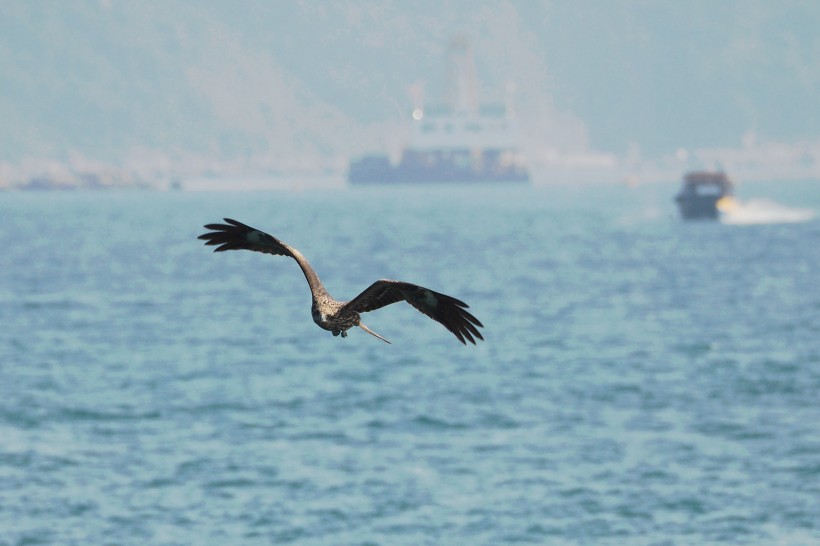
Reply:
x=509, y=100
x=462, y=83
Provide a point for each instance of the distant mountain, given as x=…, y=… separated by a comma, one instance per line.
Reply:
x=111, y=79
x=290, y=84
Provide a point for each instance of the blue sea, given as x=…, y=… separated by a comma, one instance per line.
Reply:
x=643, y=381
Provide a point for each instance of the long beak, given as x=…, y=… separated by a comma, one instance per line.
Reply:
x=371, y=332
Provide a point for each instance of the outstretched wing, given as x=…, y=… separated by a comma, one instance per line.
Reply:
x=442, y=308
x=238, y=236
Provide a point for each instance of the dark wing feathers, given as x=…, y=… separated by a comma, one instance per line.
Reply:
x=237, y=236
x=442, y=308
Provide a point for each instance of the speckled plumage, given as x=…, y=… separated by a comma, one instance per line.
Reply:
x=339, y=316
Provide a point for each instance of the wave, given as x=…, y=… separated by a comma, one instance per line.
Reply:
x=764, y=211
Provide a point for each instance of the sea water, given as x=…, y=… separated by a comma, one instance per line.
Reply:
x=643, y=381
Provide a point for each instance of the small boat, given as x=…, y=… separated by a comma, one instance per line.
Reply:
x=705, y=195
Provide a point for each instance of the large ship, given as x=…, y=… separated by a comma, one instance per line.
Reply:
x=460, y=140
x=705, y=195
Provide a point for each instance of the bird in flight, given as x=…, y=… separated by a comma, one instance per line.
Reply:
x=339, y=316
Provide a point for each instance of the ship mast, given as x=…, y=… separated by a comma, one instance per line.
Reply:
x=462, y=83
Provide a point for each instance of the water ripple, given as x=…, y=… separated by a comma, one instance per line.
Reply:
x=642, y=383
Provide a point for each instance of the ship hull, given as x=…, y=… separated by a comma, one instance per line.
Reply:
x=435, y=168
x=698, y=207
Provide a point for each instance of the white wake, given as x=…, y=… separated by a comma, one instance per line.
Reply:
x=764, y=211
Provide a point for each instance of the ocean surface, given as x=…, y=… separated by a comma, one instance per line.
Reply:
x=643, y=381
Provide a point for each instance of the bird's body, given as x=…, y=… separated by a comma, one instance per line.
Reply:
x=339, y=316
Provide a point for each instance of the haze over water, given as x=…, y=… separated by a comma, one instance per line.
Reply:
x=643, y=380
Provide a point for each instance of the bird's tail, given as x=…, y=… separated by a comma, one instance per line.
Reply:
x=371, y=332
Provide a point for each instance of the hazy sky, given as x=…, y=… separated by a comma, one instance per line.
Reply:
x=307, y=78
